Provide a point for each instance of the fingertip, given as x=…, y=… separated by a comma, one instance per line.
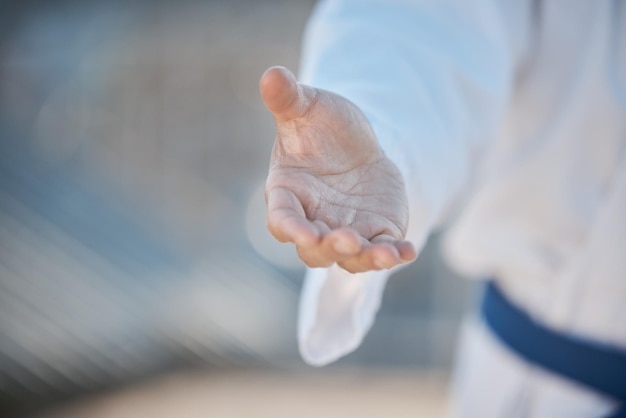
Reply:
x=276, y=75
x=352, y=267
x=305, y=238
x=273, y=226
x=279, y=88
x=302, y=233
x=407, y=251
x=345, y=241
x=385, y=256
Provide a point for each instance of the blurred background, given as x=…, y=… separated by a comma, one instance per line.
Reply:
x=136, y=275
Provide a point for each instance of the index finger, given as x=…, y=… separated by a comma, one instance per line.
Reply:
x=286, y=219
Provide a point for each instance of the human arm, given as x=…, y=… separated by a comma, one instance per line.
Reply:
x=433, y=79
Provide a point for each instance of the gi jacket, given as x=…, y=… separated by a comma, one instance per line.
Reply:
x=507, y=119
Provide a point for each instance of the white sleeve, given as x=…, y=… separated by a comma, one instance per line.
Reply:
x=433, y=78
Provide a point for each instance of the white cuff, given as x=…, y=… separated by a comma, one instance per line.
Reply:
x=337, y=309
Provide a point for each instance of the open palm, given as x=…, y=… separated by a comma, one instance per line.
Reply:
x=330, y=188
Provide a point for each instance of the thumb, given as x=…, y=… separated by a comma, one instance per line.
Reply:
x=283, y=95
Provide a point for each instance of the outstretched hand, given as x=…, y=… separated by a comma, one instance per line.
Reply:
x=330, y=189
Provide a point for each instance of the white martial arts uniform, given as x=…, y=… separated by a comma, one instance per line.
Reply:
x=517, y=110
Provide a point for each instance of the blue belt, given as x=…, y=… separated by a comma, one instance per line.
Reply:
x=598, y=367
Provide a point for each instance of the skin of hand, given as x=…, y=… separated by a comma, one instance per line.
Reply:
x=330, y=189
